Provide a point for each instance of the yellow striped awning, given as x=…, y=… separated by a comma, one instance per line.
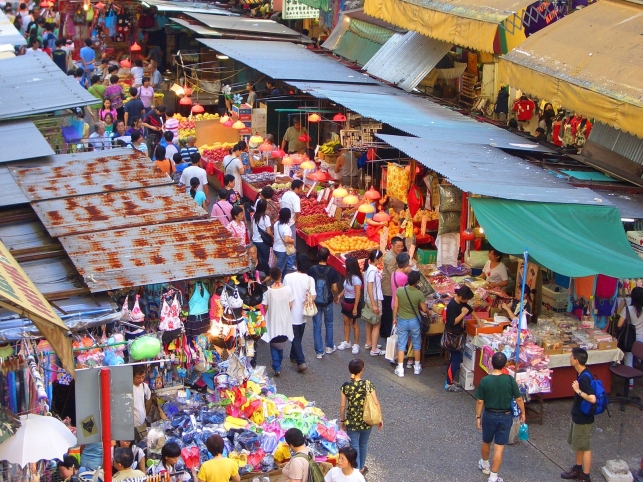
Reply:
x=590, y=62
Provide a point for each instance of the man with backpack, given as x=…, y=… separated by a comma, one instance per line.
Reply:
x=302, y=465
x=583, y=410
x=327, y=287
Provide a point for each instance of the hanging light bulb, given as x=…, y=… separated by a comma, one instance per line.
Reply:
x=185, y=101
x=382, y=217
x=228, y=123
x=314, y=117
x=197, y=108
x=340, y=192
x=288, y=161
x=256, y=139
x=224, y=119
x=265, y=147
x=372, y=194
x=187, y=90
x=135, y=47
x=339, y=118
x=351, y=200
x=278, y=153
x=308, y=165
x=365, y=208
x=238, y=125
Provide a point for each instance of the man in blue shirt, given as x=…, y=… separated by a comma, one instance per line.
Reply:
x=87, y=57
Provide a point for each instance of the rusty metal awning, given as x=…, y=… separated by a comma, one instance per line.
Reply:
x=88, y=173
x=155, y=254
x=120, y=209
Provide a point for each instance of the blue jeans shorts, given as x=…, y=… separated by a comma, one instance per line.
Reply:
x=496, y=427
x=406, y=329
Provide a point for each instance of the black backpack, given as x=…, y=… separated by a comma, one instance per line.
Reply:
x=322, y=285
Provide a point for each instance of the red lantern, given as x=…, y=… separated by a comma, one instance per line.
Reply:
x=278, y=153
x=197, y=109
x=339, y=118
x=468, y=235
x=185, y=101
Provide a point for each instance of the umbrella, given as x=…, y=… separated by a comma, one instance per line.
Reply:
x=39, y=438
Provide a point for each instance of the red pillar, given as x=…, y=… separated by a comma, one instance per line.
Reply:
x=106, y=422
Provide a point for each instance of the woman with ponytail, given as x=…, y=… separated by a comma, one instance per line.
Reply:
x=373, y=297
x=198, y=196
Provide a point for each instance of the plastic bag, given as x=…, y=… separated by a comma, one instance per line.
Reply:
x=249, y=440
x=449, y=223
x=523, y=433
x=343, y=440
x=269, y=442
x=450, y=199
x=145, y=347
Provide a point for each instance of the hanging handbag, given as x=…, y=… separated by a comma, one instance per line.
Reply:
x=372, y=410
x=627, y=333
x=310, y=308
x=290, y=248
x=422, y=318
x=391, y=346
x=452, y=342
x=265, y=237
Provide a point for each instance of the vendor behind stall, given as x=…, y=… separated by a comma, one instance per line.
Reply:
x=291, y=143
x=346, y=164
x=495, y=272
x=513, y=309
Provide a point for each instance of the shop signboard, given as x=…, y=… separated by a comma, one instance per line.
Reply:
x=293, y=10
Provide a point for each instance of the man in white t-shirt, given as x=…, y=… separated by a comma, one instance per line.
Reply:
x=195, y=171
x=142, y=393
x=300, y=284
x=291, y=200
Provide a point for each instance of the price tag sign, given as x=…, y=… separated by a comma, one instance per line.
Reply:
x=383, y=238
x=333, y=209
x=326, y=193
x=312, y=189
x=330, y=205
x=423, y=226
x=354, y=218
x=320, y=195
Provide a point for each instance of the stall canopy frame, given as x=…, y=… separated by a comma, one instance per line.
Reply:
x=574, y=240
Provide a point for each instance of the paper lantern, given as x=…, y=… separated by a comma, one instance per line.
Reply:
x=228, y=123
x=256, y=139
x=126, y=64
x=187, y=91
x=308, y=165
x=278, y=153
x=197, y=108
x=365, y=208
x=372, y=194
x=340, y=192
x=468, y=235
x=265, y=147
x=314, y=117
x=382, y=217
x=224, y=119
x=288, y=161
x=339, y=118
x=351, y=200
x=238, y=125
x=135, y=47
x=185, y=101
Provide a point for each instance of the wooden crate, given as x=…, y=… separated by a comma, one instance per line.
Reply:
x=274, y=476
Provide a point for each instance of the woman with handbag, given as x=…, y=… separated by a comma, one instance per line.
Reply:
x=373, y=297
x=278, y=301
x=351, y=411
x=284, y=244
x=633, y=315
x=262, y=233
x=454, y=333
x=407, y=304
x=351, y=308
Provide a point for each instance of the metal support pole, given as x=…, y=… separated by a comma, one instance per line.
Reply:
x=522, y=303
x=106, y=422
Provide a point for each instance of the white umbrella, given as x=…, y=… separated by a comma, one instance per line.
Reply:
x=39, y=438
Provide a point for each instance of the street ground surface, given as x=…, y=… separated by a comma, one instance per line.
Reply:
x=430, y=435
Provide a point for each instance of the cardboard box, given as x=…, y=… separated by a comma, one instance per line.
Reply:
x=607, y=345
x=469, y=357
x=242, y=112
x=474, y=327
x=466, y=378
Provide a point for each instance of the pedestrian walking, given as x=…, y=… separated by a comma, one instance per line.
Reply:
x=327, y=287
x=373, y=297
x=582, y=423
x=262, y=234
x=302, y=286
x=390, y=265
x=283, y=245
x=409, y=301
x=351, y=411
x=454, y=330
x=278, y=300
x=494, y=415
x=351, y=308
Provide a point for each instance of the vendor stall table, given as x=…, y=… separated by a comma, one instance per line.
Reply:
x=562, y=373
x=248, y=190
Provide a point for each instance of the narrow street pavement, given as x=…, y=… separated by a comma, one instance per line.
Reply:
x=429, y=435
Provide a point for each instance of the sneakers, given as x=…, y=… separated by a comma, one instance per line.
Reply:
x=344, y=345
x=276, y=373
x=498, y=479
x=378, y=352
x=452, y=388
x=368, y=347
x=399, y=371
x=320, y=356
x=355, y=349
x=302, y=368
x=417, y=369
x=572, y=474
x=486, y=469
x=331, y=350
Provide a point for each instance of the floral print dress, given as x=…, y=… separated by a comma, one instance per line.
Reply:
x=355, y=392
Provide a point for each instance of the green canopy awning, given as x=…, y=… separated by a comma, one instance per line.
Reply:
x=574, y=240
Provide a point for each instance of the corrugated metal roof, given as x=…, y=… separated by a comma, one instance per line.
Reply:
x=629, y=205
x=88, y=173
x=10, y=192
x=417, y=116
x=8, y=33
x=20, y=229
x=120, y=209
x=406, y=59
x=627, y=145
x=356, y=49
x=53, y=275
x=187, y=7
x=243, y=24
x=287, y=61
x=155, y=254
x=196, y=28
x=22, y=140
x=491, y=172
x=33, y=84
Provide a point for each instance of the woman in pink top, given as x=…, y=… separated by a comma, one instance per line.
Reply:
x=146, y=94
x=106, y=109
x=400, y=276
x=171, y=124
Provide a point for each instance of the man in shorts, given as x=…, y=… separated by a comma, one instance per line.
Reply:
x=494, y=415
x=582, y=424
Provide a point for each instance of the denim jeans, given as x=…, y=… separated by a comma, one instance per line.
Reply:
x=284, y=262
x=277, y=356
x=359, y=441
x=296, y=350
x=263, y=253
x=454, y=366
x=327, y=312
x=406, y=329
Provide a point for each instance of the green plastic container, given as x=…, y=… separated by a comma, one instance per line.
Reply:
x=427, y=256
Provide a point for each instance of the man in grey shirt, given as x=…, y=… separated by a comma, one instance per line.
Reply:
x=347, y=164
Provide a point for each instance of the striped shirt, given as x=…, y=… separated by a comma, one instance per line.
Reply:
x=186, y=152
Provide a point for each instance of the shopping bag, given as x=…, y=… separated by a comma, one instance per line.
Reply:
x=391, y=346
